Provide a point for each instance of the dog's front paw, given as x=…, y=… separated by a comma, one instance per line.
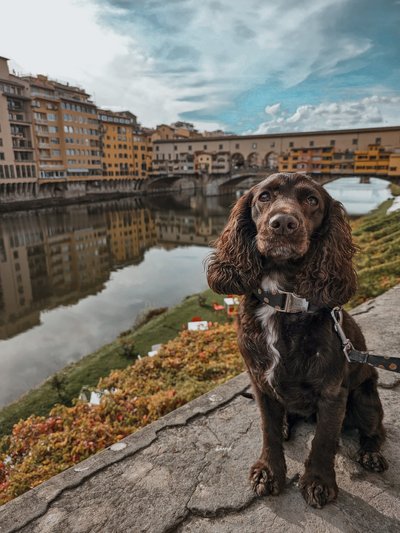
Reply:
x=316, y=491
x=372, y=461
x=265, y=481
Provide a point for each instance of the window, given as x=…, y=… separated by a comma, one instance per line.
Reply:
x=332, y=143
x=190, y=147
x=2, y=156
x=221, y=147
x=51, y=116
x=237, y=146
x=311, y=143
x=254, y=146
x=354, y=141
x=53, y=129
x=378, y=140
x=175, y=147
x=291, y=145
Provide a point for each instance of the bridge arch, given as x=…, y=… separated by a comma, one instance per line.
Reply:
x=169, y=183
x=271, y=161
x=253, y=160
x=237, y=161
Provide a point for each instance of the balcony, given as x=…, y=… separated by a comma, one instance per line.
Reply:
x=19, y=144
x=19, y=118
x=30, y=160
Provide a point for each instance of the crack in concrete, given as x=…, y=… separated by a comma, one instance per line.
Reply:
x=84, y=478
x=220, y=512
x=364, y=311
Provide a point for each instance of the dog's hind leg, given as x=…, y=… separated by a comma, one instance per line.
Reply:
x=366, y=414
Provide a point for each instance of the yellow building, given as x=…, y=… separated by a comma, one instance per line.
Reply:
x=126, y=149
x=374, y=160
x=394, y=164
x=316, y=159
x=142, y=154
x=117, y=143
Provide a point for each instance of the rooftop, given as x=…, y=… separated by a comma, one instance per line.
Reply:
x=279, y=135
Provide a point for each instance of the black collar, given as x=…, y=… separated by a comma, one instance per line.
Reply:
x=285, y=302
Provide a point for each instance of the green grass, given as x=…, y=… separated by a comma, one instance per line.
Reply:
x=378, y=261
x=67, y=384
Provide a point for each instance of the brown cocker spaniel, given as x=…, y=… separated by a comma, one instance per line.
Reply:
x=287, y=235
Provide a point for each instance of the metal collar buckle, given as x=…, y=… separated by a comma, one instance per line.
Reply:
x=294, y=304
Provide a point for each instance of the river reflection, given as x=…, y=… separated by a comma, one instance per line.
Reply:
x=72, y=278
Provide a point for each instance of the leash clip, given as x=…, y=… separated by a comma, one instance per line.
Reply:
x=347, y=346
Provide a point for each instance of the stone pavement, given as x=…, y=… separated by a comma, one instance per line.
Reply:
x=188, y=471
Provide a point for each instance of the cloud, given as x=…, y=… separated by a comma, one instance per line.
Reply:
x=185, y=58
x=273, y=109
x=371, y=111
x=220, y=49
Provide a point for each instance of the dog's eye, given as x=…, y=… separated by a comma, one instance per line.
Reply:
x=312, y=200
x=265, y=197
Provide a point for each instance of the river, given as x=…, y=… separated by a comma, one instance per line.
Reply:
x=72, y=278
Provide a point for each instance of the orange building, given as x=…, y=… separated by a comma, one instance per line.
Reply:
x=374, y=160
x=66, y=129
x=126, y=149
x=316, y=159
x=117, y=130
x=143, y=153
x=394, y=164
x=17, y=155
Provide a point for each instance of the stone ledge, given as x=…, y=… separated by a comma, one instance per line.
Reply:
x=188, y=471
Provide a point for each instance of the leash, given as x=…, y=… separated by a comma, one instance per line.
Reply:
x=355, y=356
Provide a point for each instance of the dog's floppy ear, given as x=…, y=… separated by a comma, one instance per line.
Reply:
x=328, y=277
x=235, y=266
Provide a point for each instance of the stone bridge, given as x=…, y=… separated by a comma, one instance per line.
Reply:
x=211, y=184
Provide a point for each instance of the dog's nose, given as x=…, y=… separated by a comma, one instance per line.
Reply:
x=283, y=224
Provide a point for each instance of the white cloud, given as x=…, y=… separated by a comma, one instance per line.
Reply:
x=60, y=39
x=370, y=111
x=273, y=109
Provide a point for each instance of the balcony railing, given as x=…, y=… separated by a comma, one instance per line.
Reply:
x=19, y=144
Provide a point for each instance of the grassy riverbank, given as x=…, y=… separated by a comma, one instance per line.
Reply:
x=64, y=386
x=378, y=267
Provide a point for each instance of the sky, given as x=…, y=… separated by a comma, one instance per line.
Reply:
x=244, y=66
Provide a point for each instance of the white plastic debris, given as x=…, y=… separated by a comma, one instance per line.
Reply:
x=201, y=325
